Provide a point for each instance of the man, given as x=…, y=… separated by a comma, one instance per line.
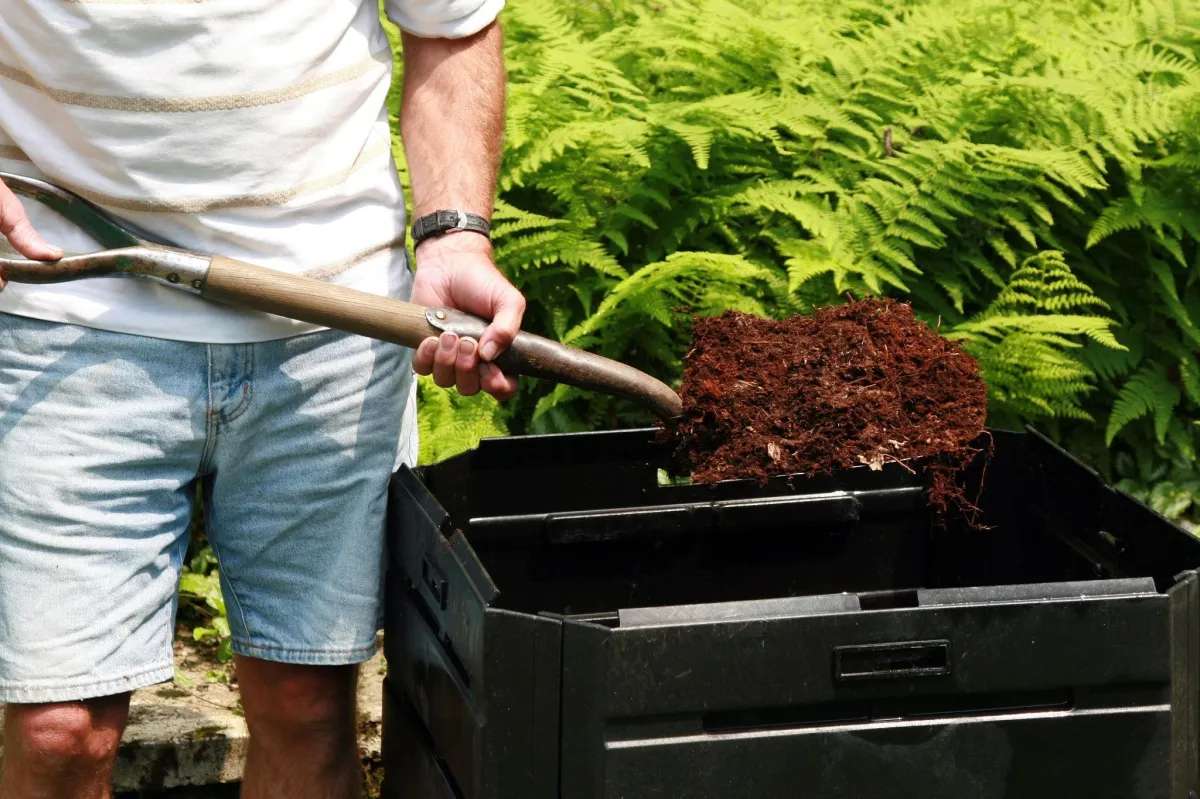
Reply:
x=254, y=129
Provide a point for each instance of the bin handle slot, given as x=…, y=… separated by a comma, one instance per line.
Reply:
x=892, y=660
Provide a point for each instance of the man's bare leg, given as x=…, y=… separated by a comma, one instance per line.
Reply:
x=63, y=750
x=303, y=731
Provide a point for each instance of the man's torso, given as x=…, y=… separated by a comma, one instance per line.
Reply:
x=254, y=129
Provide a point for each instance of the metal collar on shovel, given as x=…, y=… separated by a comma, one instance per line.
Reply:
x=308, y=300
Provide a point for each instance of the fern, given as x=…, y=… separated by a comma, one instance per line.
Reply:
x=1024, y=174
x=450, y=423
x=1146, y=393
x=1024, y=339
x=1189, y=372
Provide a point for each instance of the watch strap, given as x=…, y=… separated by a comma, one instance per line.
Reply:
x=441, y=222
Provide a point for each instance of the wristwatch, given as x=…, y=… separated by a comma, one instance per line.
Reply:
x=441, y=222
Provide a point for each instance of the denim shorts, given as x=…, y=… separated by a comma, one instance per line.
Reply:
x=103, y=437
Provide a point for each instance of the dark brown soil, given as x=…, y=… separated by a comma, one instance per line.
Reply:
x=860, y=383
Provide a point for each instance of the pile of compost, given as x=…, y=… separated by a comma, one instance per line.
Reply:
x=864, y=383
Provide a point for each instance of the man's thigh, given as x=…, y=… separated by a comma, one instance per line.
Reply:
x=311, y=429
x=101, y=436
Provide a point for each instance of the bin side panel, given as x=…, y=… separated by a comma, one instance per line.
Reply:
x=1185, y=684
x=1100, y=756
x=791, y=661
x=410, y=769
x=584, y=655
x=441, y=569
x=446, y=708
x=520, y=709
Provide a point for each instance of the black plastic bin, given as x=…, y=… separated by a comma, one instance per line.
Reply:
x=561, y=625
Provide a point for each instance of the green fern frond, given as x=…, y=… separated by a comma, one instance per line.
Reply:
x=808, y=260
x=1146, y=393
x=780, y=197
x=1189, y=375
x=1108, y=363
x=449, y=423
x=1095, y=328
x=1167, y=291
x=697, y=137
x=704, y=282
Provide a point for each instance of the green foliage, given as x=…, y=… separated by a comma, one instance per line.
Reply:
x=1148, y=392
x=1165, y=477
x=200, y=591
x=1024, y=173
x=450, y=423
x=1026, y=337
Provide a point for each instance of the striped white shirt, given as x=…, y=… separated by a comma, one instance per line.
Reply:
x=255, y=129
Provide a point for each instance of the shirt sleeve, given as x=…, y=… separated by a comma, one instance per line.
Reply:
x=447, y=19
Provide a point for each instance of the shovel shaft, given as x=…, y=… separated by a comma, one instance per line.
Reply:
x=308, y=300
x=408, y=324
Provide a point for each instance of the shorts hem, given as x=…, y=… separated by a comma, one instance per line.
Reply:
x=44, y=694
x=307, y=657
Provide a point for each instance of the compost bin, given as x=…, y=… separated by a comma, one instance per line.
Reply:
x=562, y=623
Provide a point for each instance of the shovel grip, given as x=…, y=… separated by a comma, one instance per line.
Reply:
x=316, y=302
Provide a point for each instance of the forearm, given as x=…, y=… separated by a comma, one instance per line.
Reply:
x=452, y=120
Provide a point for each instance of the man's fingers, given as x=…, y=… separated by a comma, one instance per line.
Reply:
x=423, y=356
x=27, y=241
x=506, y=323
x=499, y=385
x=15, y=227
x=468, y=377
x=455, y=362
x=444, y=360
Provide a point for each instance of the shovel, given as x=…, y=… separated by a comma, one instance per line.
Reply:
x=305, y=299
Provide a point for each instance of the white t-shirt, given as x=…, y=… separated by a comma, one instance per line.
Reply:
x=253, y=129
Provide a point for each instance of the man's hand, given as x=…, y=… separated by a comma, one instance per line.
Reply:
x=456, y=271
x=15, y=227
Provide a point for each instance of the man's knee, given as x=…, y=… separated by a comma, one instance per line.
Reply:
x=66, y=737
x=298, y=700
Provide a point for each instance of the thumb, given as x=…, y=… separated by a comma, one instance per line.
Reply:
x=508, y=311
x=15, y=226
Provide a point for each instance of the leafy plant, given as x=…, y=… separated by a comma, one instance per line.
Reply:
x=1162, y=477
x=200, y=596
x=200, y=587
x=450, y=423
x=1026, y=337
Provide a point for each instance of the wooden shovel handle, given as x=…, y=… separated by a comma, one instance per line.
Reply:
x=308, y=300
